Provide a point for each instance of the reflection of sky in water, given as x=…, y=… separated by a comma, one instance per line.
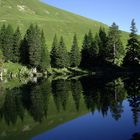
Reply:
x=95, y=127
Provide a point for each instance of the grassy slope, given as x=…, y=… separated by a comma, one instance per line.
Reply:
x=52, y=20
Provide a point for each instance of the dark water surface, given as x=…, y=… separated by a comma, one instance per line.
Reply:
x=88, y=108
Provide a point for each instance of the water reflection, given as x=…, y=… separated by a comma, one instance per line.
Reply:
x=104, y=97
x=76, y=89
x=87, y=94
x=60, y=91
x=132, y=85
x=135, y=136
x=33, y=97
x=12, y=107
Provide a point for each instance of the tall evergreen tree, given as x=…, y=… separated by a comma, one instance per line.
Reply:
x=114, y=44
x=95, y=50
x=2, y=37
x=16, y=45
x=102, y=44
x=133, y=48
x=90, y=38
x=75, y=53
x=84, y=53
x=89, y=51
x=59, y=54
x=45, y=58
x=1, y=61
x=24, y=52
x=34, y=44
x=55, y=52
x=7, y=42
x=64, y=57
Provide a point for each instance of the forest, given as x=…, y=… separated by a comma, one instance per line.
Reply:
x=103, y=50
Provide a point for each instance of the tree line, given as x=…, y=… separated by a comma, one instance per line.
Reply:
x=99, y=50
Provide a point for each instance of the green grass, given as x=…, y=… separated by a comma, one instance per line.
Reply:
x=18, y=72
x=63, y=71
x=52, y=20
x=14, y=68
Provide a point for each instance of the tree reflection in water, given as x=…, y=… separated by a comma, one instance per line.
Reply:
x=132, y=85
x=99, y=94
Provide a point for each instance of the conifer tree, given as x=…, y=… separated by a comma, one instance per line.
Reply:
x=102, y=44
x=7, y=42
x=64, y=57
x=16, y=45
x=24, y=52
x=45, y=58
x=75, y=53
x=90, y=39
x=94, y=51
x=1, y=61
x=132, y=57
x=114, y=45
x=55, y=52
x=89, y=51
x=84, y=53
x=59, y=54
x=34, y=44
x=2, y=37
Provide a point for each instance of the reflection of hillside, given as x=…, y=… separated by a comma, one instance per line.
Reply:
x=33, y=108
x=37, y=107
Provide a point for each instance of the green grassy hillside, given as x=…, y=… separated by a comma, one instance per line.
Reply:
x=52, y=20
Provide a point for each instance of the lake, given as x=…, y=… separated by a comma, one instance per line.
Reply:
x=84, y=108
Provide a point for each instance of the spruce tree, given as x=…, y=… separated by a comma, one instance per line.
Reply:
x=90, y=39
x=34, y=44
x=114, y=45
x=94, y=51
x=84, y=53
x=132, y=57
x=1, y=61
x=55, y=53
x=89, y=51
x=16, y=45
x=7, y=42
x=59, y=54
x=2, y=37
x=24, y=52
x=45, y=58
x=102, y=44
x=64, y=57
x=75, y=53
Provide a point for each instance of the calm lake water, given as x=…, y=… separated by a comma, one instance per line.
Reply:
x=87, y=108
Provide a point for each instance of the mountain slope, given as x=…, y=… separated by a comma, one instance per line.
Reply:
x=52, y=20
